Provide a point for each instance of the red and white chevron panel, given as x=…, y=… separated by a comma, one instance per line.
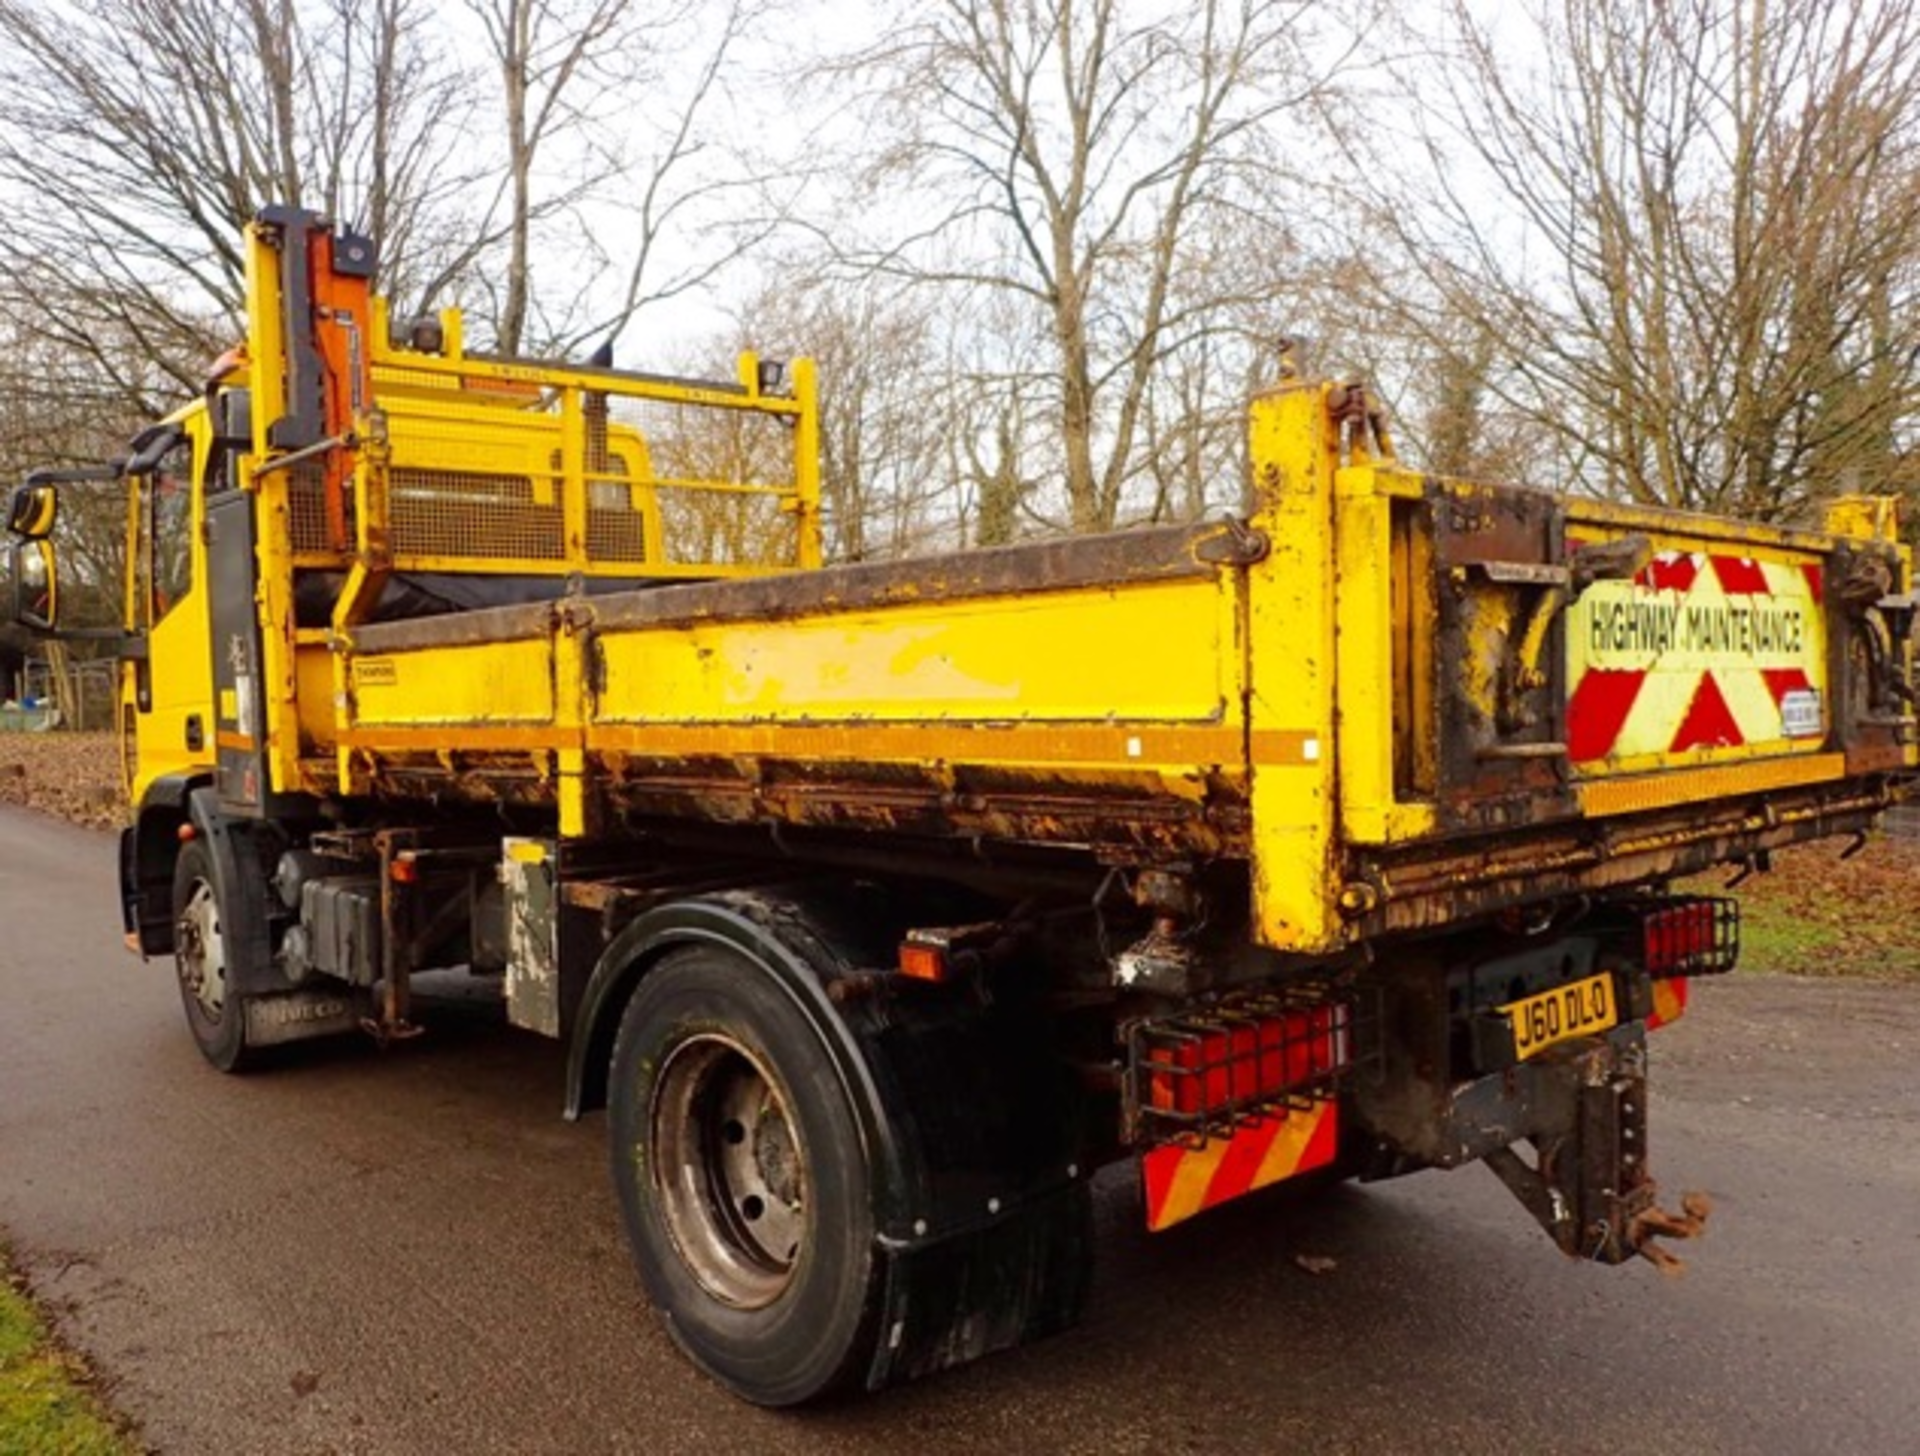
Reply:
x=1698, y=652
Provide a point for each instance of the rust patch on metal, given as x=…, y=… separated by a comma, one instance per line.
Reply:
x=1657, y=1223
x=474, y=628
x=1501, y=584
x=1167, y=553
x=1431, y=884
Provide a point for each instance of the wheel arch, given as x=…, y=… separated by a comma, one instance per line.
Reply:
x=241, y=882
x=148, y=848
x=970, y=1266
x=775, y=935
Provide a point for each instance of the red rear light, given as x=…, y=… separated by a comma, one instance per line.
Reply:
x=1253, y=1062
x=1686, y=937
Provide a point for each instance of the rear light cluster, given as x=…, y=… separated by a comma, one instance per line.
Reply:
x=1692, y=937
x=1201, y=1073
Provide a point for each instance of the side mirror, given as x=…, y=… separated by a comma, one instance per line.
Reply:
x=36, y=585
x=32, y=512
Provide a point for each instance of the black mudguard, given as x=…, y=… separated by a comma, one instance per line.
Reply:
x=982, y=1209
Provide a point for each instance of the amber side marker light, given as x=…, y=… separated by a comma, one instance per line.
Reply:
x=923, y=962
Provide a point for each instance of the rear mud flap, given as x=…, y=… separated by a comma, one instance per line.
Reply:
x=299, y=1016
x=1014, y=1281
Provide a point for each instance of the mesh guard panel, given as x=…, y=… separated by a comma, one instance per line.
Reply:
x=440, y=513
x=307, y=510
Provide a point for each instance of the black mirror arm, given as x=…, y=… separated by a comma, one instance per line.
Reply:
x=150, y=447
x=74, y=474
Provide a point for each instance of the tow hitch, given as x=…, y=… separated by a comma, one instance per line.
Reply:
x=1589, y=1185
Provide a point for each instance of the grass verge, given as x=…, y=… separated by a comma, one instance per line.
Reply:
x=46, y=1408
x=1819, y=915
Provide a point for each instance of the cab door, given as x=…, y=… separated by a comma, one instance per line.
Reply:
x=168, y=695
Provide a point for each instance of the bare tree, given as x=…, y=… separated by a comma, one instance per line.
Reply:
x=1067, y=154
x=1680, y=237
x=137, y=136
x=607, y=161
x=886, y=408
x=55, y=412
x=545, y=51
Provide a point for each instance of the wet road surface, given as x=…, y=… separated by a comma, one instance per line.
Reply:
x=411, y=1252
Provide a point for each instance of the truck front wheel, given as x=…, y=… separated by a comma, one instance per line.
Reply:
x=215, y=1014
x=743, y=1180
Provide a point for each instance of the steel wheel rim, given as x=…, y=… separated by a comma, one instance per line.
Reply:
x=201, y=951
x=729, y=1170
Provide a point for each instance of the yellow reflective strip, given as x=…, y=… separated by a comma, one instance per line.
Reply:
x=1289, y=1146
x=1187, y=1193
x=1685, y=784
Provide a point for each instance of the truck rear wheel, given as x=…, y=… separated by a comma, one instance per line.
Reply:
x=743, y=1180
x=215, y=1014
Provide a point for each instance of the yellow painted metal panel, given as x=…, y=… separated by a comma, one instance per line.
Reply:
x=497, y=682
x=1110, y=748
x=1291, y=666
x=313, y=670
x=1370, y=637
x=1874, y=517
x=1605, y=518
x=179, y=640
x=1130, y=653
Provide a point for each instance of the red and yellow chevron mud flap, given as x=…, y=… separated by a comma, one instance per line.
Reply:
x=1669, y=1002
x=1182, y=1180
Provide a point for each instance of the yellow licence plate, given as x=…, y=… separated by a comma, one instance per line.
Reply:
x=1579, y=1009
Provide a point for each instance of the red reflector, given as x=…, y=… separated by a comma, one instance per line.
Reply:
x=1678, y=937
x=1242, y=1064
x=1669, y=1002
x=922, y=962
x=185, y=833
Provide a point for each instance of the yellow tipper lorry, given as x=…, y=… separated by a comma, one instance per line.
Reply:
x=881, y=905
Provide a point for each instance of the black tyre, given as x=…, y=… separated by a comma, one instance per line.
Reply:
x=214, y=1013
x=743, y=1180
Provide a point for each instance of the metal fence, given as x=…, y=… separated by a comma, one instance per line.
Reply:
x=50, y=693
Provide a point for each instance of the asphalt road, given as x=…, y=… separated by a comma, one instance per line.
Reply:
x=411, y=1252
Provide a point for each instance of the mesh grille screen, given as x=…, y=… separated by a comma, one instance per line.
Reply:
x=616, y=535
x=307, y=510
x=439, y=513
x=713, y=475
